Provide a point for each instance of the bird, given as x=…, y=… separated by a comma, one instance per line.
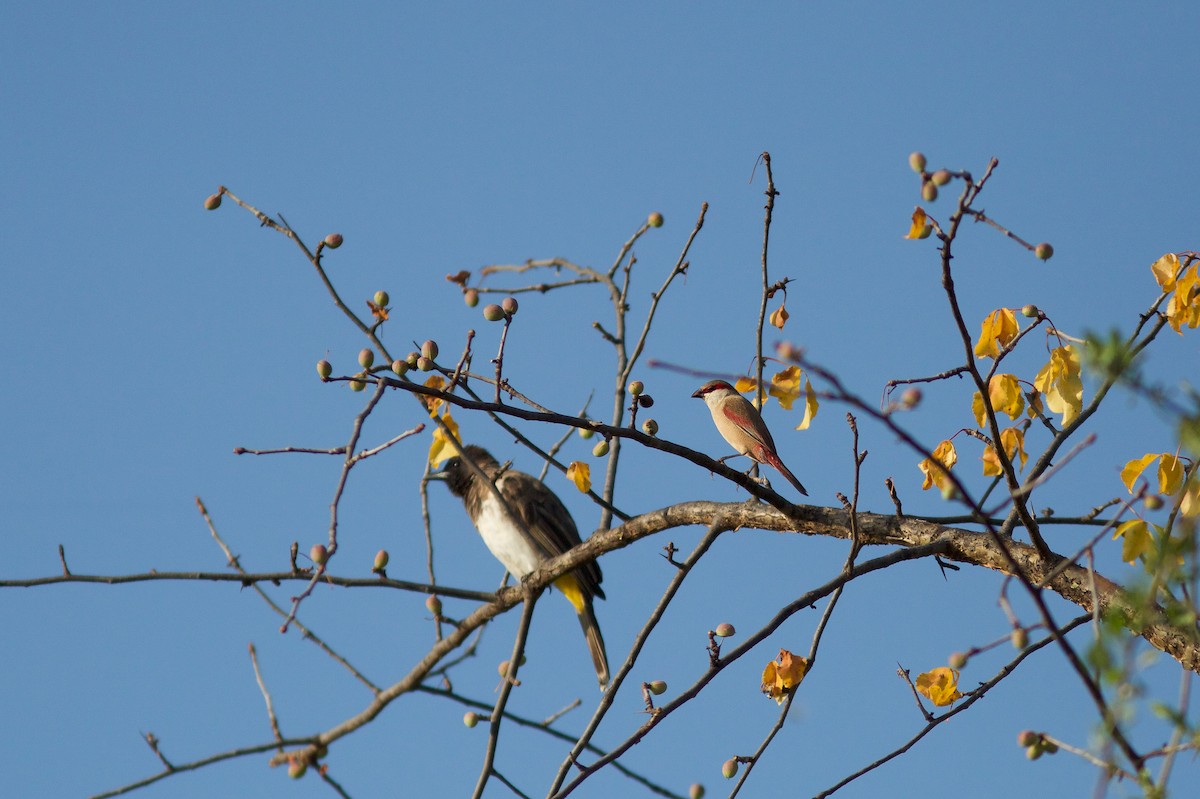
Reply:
x=740, y=423
x=543, y=529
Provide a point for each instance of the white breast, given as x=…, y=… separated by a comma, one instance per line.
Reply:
x=505, y=540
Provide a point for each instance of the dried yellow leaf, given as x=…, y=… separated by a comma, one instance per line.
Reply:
x=782, y=675
x=1165, y=270
x=940, y=685
x=785, y=386
x=998, y=330
x=936, y=467
x=442, y=447
x=779, y=317
x=580, y=474
x=810, y=406
x=1136, y=539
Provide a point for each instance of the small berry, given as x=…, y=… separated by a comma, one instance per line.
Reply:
x=917, y=162
x=650, y=427
x=319, y=554
x=958, y=660
x=1033, y=752
x=297, y=768
x=470, y=718
x=509, y=304
x=585, y=432
x=434, y=604
x=334, y=240
x=724, y=629
x=471, y=298
x=646, y=401
x=1027, y=738
x=1152, y=502
x=1029, y=311
x=411, y=359
x=381, y=560
x=1020, y=638
x=655, y=219
x=213, y=202
x=658, y=687
x=400, y=367
x=425, y=364
x=696, y=791
x=729, y=768
x=366, y=357
x=1049, y=747
x=324, y=369
x=911, y=397
x=382, y=298
x=636, y=387
x=357, y=385
x=430, y=350
x=493, y=312
x=1043, y=251
x=929, y=192
x=941, y=177
x=601, y=449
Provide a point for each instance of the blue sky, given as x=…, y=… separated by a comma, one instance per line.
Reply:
x=148, y=338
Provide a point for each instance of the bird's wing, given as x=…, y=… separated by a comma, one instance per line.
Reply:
x=741, y=412
x=550, y=523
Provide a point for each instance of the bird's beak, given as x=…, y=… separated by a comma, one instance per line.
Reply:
x=439, y=475
x=698, y=393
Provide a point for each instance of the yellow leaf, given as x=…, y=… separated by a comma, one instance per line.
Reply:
x=1134, y=469
x=782, y=675
x=1170, y=474
x=433, y=403
x=1136, y=539
x=1165, y=269
x=580, y=474
x=920, y=225
x=1013, y=441
x=785, y=386
x=1059, y=381
x=1184, y=306
x=940, y=685
x=779, y=317
x=998, y=330
x=442, y=448
x=744, y=384
x=935, y=475
x=1035, y=404
x=378, y=311
x=810, y=406
x=1006, y=396
x=1189, y=503
x=979, y=410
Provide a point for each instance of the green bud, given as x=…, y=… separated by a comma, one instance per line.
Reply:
x=493, y=312
x=366, y=357
x=650, y=427
x=381, y=560
x=724, y=630
x=1044, y=251
x=655, y=219
x=929, y=192
x=333, y=241
x=509, y=304
x=658, y=687
x=382, y=298
x=636, y=387
x=729, y=768
x=917, y=162
x=601, y=449
x=324, y=369
x=471, y=298
x=213, y=202
x=430, y=350
x=941, y=177
x=319, y=554
x=470, y=718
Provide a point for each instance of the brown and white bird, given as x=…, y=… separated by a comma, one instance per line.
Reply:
x=543, y=529
x=740, y=423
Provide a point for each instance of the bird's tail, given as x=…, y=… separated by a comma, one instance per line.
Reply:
x=773, y=459
x=582, y=602
x=595, y=642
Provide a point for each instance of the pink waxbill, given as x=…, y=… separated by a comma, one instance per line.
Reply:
x=740, y=423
